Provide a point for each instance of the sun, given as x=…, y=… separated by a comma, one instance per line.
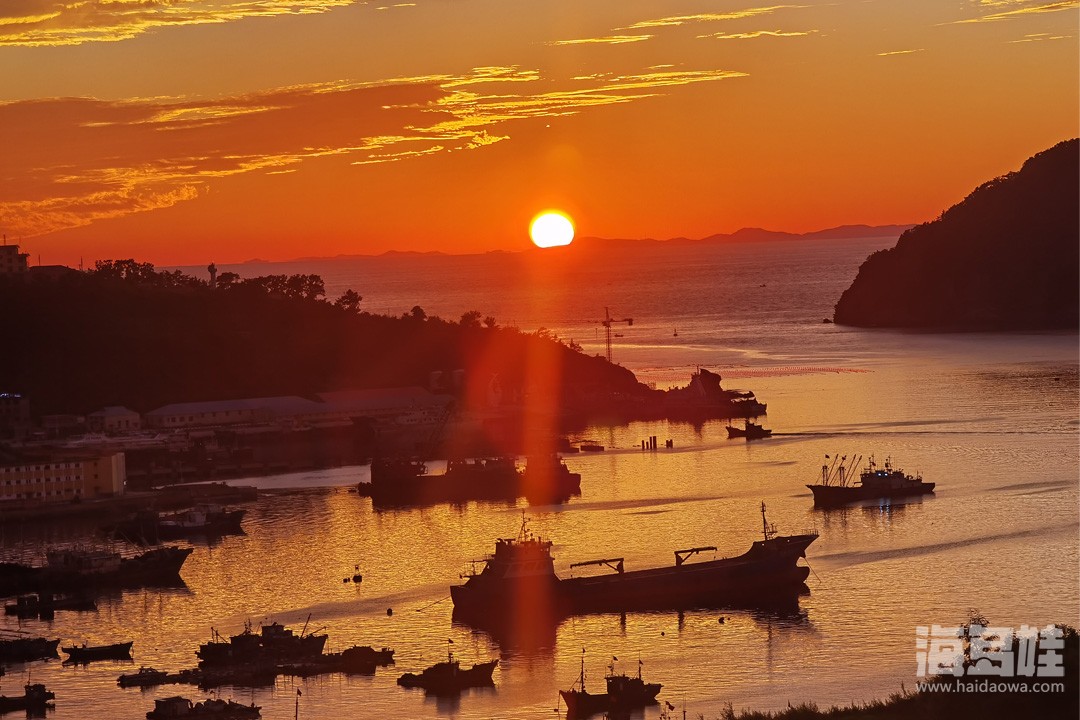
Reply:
x=551, y=228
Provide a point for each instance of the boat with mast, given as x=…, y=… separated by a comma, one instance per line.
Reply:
x=624, y=693
x=836, y=488
x=521, y=573
x=449, y=678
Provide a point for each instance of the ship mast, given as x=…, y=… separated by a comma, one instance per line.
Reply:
x=770, y=530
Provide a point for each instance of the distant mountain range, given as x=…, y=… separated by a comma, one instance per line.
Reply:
x=745, y=235
x=1005, y=258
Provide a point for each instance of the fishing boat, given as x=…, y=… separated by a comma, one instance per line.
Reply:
x=86, y=654
x=546, y=479
x=35, y=699
x=145, y=677
x=181, y=707
x=25, y=649
x=85, y=568
x=835, y=488
x=400, y=481
x=204, y=519
x=521, y=573
x=449, y=678
x=751, y=431
x=45, y=605
x=274, y=643
x=624, y=693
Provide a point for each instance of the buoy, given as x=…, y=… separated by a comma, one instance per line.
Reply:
x=357, y=578
x=344, y=580
x=389, y=612
x=721, y=620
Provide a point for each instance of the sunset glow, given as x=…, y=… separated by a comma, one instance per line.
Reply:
x=551, y=229
x=362, y=128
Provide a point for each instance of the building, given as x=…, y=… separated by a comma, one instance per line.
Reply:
x=12, y=262
x=14, y=412
x=408, y=405
x=113, y=420
x=62, y=479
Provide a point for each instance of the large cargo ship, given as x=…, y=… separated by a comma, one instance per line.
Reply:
x=521, y=574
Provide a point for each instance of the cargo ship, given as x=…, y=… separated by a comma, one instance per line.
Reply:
x=521, y=573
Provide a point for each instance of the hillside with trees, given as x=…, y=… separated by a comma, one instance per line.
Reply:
x=127, y=334
x=1006, y=258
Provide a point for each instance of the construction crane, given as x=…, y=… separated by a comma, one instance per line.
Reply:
x=606, y=322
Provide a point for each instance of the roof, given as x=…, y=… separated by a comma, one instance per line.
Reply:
x=288, y=405
x=113, y=411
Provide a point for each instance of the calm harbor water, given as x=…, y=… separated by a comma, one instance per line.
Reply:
x=991, y=418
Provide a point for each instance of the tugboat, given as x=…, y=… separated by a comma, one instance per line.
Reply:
x=624, y=693
x=752, y=431
x=834, y=489
x=35, y=699
x=448, y=678
x=521, y=573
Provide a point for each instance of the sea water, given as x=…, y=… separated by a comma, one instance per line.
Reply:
x=991, y=418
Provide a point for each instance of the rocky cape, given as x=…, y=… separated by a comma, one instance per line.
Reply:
x=1005, y=258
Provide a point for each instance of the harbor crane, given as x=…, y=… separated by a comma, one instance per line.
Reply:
x=606, y=322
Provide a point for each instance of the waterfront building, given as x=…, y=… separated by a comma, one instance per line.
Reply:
x=61, y=478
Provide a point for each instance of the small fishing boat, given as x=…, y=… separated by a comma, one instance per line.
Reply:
x=449, y=678
x=35, y=698
x=752, y=431
x=24, y=649
x=181, y=707
x=145, y=677
x=86, y=654
x=624, y=693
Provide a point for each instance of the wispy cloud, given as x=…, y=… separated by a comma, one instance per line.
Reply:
x=1026, y=9
x=607, y=40
x=82, y=160
x=73, y=22
x=758, y=33
x=677, y=20
x=900, y=52
x=1039, y=37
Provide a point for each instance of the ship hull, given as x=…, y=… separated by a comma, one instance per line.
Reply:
x=827, y=496
x=766, y=575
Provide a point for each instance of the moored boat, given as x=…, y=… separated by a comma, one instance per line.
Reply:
x=26, y=649
x=274, y=643
x=35, y=698
x=181, y=707
x=145, y=677
x=546, y=479
x=874, y=483
x=624, y=693
x=449, y=678
x=86, y=654
x=82, y=569
x=45, y=605
x=521, y=574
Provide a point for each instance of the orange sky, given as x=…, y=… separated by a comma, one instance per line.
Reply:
x=195, y=130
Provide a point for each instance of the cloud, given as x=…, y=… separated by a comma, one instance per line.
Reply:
x=75, y=161
x=756, y=34
x=1026, y=9
x=607, y=40
x=73, y=22
x=900, y=52
x=677, y=20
